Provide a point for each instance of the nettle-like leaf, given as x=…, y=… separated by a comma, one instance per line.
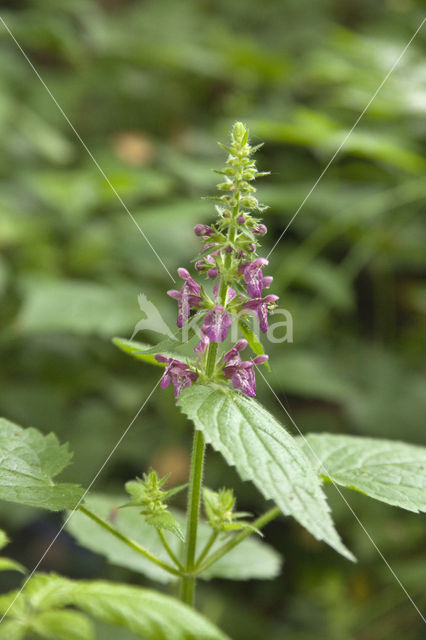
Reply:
x=29, y=460
x=251, y=559
x=151, y=615
x=387, y=470
x=262, y=451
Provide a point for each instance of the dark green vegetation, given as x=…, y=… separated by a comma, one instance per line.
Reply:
x=150, y=86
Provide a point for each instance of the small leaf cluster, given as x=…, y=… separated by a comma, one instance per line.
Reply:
x=219, y=507
x=147, y=492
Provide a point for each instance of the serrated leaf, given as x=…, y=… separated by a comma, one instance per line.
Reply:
x=63, y=625
x=262, y=451
x=387, y=470
x=251, y=559
x=146, y=613
x=29, y=460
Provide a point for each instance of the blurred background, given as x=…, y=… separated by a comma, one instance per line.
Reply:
x=150, y=87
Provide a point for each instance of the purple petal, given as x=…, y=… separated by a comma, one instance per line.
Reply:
x=216, y=324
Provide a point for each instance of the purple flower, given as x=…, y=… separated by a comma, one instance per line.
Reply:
x=213, y=273
x=260, y=229
x=203, y=230
x=202, y=344
x=216, y=324
x=260, y=307
x=176, y=372
x=241, y=219
x=241, y=373
x=253, y=276
x=233, y=355
x=187, y=297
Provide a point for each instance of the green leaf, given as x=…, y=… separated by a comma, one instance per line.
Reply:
x=7, y=564
x=146, y=352
x=262, y=451
x=141, y=351
x=12, y=630
x=4, y=540
x=253, y=340
x=146, y=613
x=387, y=470
x=63, y=625
x=29, y=461
x=166, y=520
x=251, y=559
x=127, y=521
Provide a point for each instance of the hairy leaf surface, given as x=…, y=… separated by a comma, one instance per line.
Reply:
x=146, y=613
x=390, y=471
x=262, y=451
x=29, y=460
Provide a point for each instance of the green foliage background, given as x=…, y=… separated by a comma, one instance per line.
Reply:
x=150, y=86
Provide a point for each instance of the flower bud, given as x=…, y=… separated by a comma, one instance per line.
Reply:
x=260, y=359
x=260, y=229
x=183, y=273
x=238, y=132
x=213, y=273
x=203, y=230
x=241, y=219
x=249, y=201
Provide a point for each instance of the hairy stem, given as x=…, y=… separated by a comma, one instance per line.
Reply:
x=198, y=452
x=240, y=537
x=169, y=550
x=195, y=482
x=130, y=543
x=209, y=544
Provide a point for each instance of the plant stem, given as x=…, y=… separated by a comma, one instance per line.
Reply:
x=197, y=460
x=130, y=543
x=207, y=548
x=169, y=550
x=195, y=481
x=258, y=523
